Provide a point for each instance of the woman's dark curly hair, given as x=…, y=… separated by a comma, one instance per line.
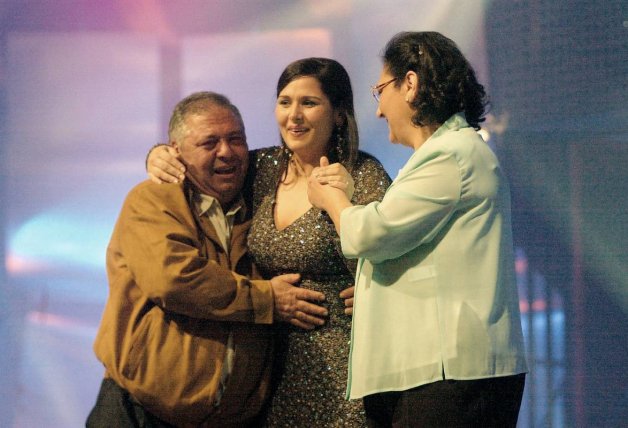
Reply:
x=447, y=82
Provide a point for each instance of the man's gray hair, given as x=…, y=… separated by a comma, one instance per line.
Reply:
x=197, y=103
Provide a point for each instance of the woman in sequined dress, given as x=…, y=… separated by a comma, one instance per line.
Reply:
x=314, y=112
x=315, y=116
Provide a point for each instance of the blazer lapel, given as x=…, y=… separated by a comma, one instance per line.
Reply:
x=202, y=220
x=238, y=241
x=208, y=229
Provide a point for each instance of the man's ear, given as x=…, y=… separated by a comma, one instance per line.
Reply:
x=175, y=145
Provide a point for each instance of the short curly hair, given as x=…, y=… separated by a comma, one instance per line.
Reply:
x=447, y=82
x=197, y=103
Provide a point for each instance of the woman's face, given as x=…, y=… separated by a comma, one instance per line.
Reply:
x=306, y=118
x=393, y=107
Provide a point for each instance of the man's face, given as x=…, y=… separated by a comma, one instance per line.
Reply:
x=213, y=148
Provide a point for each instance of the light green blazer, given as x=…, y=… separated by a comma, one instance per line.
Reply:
x=435, y=286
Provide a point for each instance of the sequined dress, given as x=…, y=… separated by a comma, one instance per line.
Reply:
x=313, y=364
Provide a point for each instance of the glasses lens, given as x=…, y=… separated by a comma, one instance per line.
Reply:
x=377, y=89
x=375, y=93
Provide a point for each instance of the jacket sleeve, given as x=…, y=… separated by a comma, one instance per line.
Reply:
x=158, y=242
x=371, y=181
x=413, y=211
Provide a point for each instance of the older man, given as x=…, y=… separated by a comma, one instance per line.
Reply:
x=185, y=336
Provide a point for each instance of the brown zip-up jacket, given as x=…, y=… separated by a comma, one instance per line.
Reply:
x=174, y=297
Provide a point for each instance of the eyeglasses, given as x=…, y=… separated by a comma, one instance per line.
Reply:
x=377, y=89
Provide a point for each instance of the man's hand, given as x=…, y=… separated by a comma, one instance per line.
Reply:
x=347, y=295
x=294, y=304
x=163, y=165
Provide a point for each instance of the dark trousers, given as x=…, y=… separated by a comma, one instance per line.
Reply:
x=116, y=408
x=492, y=402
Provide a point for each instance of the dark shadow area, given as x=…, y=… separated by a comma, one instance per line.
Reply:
x=558, y=74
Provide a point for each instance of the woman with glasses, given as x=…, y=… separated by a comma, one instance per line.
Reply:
x=315, y=116
x=436, y=335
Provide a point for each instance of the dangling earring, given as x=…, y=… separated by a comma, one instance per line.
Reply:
x=285, y=159
x=286, y=152
x=340, y=142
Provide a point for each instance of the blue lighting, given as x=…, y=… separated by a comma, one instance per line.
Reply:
x=63, y=238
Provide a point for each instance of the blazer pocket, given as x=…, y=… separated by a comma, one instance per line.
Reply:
x=419, y=273
x=417, y=282
x=138, y=344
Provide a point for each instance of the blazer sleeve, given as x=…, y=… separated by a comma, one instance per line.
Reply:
x=157, y=241
x=413, y=211
x=371, y=181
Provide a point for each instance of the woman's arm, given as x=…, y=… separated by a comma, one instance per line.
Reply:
x=163, y=165
x=367, y=183
x=330, y=188
x=417, y=206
